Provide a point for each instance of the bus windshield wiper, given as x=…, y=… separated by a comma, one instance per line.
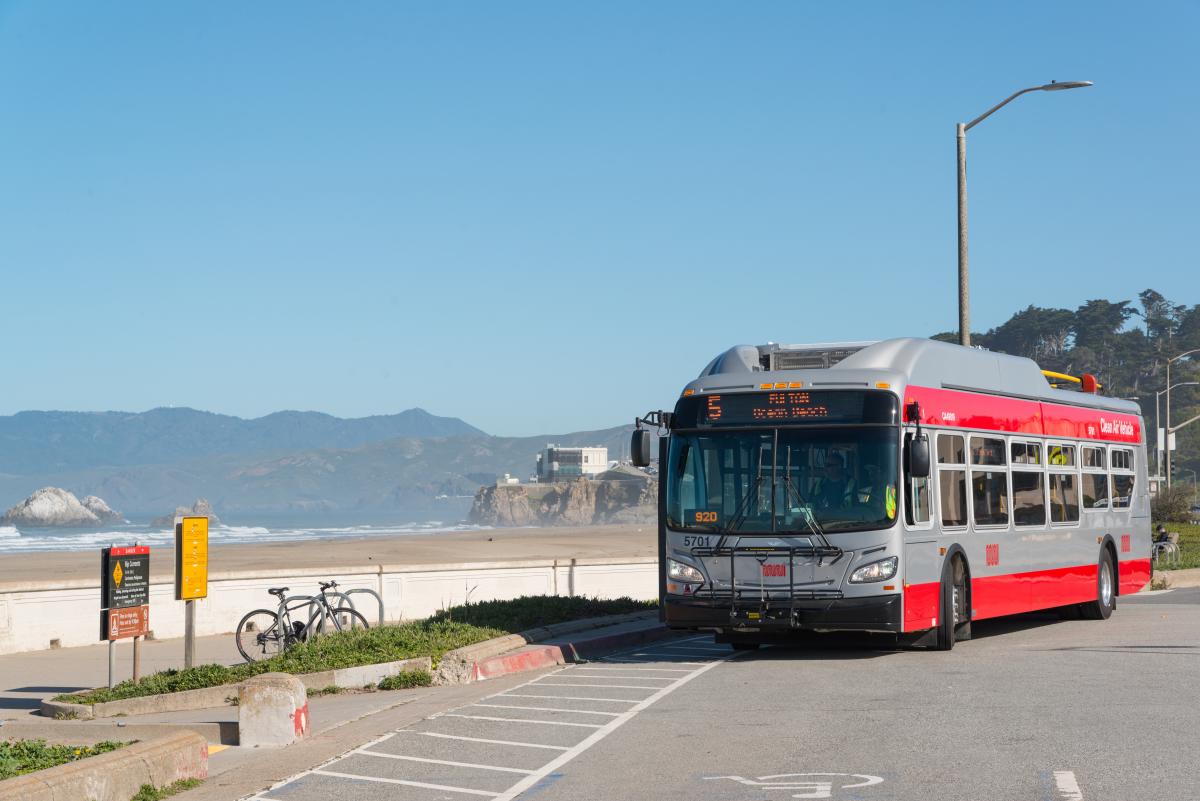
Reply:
x=811, y=519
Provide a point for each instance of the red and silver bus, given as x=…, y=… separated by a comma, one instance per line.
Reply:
x=907, y=486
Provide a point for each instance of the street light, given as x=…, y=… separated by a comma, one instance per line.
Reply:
x=964, y=315
x=1170, y=430
x=1161, y=445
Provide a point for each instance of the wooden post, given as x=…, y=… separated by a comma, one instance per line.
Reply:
x=137, y=659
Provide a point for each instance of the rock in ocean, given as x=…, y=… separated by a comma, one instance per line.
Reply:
x=55, y=507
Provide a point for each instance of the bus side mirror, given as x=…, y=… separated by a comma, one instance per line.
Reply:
x=639, y=448
x=918, y=457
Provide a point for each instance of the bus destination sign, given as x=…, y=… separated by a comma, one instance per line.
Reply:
x=787, y=407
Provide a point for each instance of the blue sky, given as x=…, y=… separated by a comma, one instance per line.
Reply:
x=549, y=216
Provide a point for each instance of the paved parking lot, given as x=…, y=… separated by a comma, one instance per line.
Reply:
x=1033, y=709
x=513, y=741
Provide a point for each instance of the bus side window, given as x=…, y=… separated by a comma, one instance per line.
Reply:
x=1095, y=478
x=916, y=498
x=952, y=479
x=1122, y=477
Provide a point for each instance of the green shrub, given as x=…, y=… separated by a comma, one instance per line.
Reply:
x=151, y=793
x=450, y=629
x=406, y=679
x=533, y=611
x=1172, y=504
x=18, y=757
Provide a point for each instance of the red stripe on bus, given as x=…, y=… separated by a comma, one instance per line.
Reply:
x=1133, y=574
x=920, y=606
x=995, y=596
x=948, y=407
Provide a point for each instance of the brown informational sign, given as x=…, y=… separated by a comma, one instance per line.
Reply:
x=191, y=558
x=133, y=621
x=124, y=592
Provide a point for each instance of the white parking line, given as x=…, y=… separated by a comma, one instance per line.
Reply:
x=597, y=736
x=567, y=698
x=485, y=740
x=519, y=720
x=548, y=709
x=611, y=686
x=441, y=761
x=609, y=675
x=617, y=666
x=1068, y=788
x=425, y=785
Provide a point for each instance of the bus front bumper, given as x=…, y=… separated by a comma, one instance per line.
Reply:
x=873, y=613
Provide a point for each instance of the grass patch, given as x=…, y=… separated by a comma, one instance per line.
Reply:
x=19, y=757
x=1189, y=547
x=452, y=628
x=332, y=689
x=406, y=679
x=329, y=652
x=151, y=793
x=532, y=611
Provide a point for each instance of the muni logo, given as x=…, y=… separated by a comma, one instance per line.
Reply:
x=992, y=554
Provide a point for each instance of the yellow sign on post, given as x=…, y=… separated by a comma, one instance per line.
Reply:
x=191, y=558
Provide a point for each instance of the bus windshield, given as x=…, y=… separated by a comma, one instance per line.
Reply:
x=772, y=480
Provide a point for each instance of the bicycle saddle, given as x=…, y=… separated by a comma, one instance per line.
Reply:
x=277, y=590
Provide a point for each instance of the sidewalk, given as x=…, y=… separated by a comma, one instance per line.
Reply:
x=27, y=678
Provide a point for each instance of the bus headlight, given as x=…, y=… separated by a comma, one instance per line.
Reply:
x=882, y=570
x=687, y=574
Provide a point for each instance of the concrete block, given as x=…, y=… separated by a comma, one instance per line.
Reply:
x=533, y=657
x=118, y=775
x=272, y=710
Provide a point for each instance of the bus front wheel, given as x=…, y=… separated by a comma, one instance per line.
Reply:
x=1106, y=591
x=953, y=614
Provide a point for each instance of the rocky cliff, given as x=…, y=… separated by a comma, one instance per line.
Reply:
x=575, y=503
x=201, y=508
x=51, y=506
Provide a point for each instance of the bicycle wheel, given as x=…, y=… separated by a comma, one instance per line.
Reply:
x=346, y=619
x=259, y=637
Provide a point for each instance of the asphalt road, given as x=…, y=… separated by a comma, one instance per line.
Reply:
x=1032, y=709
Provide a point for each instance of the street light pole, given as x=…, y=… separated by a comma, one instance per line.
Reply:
x=1171, y=361
x=964, y=299
x=1161, y=444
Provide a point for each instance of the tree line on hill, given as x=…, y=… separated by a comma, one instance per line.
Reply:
x=1126, y=345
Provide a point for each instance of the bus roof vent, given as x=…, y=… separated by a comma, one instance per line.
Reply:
x=811, y=357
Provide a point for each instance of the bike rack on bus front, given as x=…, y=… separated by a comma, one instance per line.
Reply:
x=764, y=613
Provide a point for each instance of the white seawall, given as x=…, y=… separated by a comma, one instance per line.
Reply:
x=34, y=614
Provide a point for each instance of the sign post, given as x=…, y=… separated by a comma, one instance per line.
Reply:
x=125, y=598
x=191, y=576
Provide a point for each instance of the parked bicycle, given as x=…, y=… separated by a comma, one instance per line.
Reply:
x=262, y=633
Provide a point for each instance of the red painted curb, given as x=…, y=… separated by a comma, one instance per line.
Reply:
x=612, y=641
x=536, y=657
x=532, y=657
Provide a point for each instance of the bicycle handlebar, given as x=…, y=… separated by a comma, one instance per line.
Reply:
x=325, y=585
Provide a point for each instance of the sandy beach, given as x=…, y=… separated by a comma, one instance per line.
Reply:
x=414, y=549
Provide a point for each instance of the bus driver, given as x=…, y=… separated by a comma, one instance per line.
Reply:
x=834, y=489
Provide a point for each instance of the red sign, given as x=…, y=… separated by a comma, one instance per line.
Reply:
x=132, y=550
x=132, y=621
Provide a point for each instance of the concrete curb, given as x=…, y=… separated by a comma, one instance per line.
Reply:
x=209, y=697
x=484, y=661
x=117, y=775
x=1173, y=579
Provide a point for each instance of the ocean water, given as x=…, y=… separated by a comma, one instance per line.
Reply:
x=26, y=540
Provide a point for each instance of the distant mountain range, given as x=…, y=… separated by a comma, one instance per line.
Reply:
x=288, y=463
x=45, y=442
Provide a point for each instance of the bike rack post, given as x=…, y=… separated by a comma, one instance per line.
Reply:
x=378, y=600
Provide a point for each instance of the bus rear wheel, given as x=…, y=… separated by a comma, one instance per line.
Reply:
x=1106, y=591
